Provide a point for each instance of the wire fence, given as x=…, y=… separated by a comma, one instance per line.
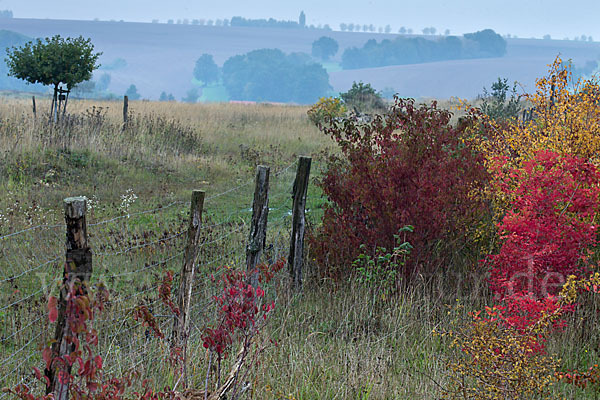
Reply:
x=130, y=256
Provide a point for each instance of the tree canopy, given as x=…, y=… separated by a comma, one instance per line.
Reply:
x=490, y=44
x=324, y=47
x=132, y=93
x=54, y=61
x=103, y=82
x=271, y=75
x=166, y=97
x=206, y=70
x=497, y=105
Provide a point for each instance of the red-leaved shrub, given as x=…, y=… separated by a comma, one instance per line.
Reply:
x=548, y=229
x=409, y=167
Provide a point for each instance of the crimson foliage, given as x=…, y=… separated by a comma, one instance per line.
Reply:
x=548, y=230
x=409, y=167
x=239, y=307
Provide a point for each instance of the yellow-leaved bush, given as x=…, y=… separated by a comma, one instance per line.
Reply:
x=566, y=120
x=492, y=360
x=326, y=109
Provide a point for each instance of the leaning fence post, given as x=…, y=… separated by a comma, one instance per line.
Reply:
x=296, y=256
x=258, y=226
x=125, y=111
x=34, y=109
x=78, y=267
x=181, y=324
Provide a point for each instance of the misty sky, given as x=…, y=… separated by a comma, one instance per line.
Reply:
x=525, y=18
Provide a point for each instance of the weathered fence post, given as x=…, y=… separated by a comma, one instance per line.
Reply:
x=34, y=109
x=78, y=267
x=258, y=226
x=125, y=111
x=296, y=257
x=181, y=324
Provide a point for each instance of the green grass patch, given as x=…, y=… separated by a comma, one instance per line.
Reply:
x=214, y=94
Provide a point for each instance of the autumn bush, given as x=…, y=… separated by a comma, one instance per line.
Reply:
x=325, y=110
x=576, y=291
x=548, y=230
x=544, y=190
x=242, y=315
x=494, y=360
x=497, y=356
x=566, y=120
x=409, y=167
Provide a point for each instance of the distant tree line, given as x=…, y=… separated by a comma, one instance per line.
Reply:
x=273, y=23
x=239, y=21
x=166, y=97
x=351, y=27
x=413, y=50
x=265, y=23
x=584, y=38
x=6, y=14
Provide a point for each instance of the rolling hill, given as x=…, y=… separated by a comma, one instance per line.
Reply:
x=161, y=57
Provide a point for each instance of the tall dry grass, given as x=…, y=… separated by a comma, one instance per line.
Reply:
x=222, y=128
x=169, y=147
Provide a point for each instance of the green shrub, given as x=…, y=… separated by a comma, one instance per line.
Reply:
x=363, y=98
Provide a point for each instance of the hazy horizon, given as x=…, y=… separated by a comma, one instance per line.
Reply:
x=524, y=19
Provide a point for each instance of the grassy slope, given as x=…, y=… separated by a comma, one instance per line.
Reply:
x=333, y=342
x=161, y=57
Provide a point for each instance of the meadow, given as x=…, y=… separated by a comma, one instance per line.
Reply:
x=338, y=339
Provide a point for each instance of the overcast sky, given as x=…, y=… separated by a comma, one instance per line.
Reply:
x=525, y=18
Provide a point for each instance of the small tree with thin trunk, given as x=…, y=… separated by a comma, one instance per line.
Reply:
x=57, y=62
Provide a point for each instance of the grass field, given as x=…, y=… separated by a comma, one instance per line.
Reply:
x=336, y=341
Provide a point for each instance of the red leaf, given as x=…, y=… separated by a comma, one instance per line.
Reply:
x=98, y=361
x=52, y=310
x=47, y=356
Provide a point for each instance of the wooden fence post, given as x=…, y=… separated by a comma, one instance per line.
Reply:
x=258, y=226
x=296, y=256
x=78, y=267
x=181, y=324
x=34, y=109
x=125, y=111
